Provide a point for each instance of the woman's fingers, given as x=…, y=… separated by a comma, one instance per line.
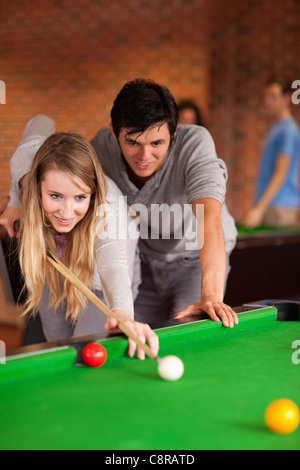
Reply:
x=145, y=334
x=142, y=331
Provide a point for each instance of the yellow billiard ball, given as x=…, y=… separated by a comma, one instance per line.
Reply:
x=282, y=416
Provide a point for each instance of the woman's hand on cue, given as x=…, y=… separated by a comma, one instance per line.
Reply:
x=141, y=330
x=216, y=310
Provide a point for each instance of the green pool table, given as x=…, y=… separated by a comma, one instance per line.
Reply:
x=49, y=400
x=266, y=231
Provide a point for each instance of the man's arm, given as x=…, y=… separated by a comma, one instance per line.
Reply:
x=213, y=265
x=36, y=131
x=256, y=213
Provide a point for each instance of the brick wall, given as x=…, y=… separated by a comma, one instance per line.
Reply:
x=68, y=59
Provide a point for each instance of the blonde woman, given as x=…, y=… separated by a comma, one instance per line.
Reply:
x=64, y=194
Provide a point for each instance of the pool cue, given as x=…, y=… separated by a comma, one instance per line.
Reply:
x=98, y=303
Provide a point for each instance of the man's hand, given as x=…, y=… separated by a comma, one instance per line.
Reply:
x=9, y=219
x=216, y=310
x=141, y=330
x=254, y=217
x=256, y=213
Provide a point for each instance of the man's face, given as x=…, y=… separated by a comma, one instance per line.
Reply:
x=145, y=153
x=275, y=100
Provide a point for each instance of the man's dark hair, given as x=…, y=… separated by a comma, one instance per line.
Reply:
x=282, y=80
x=143, y=104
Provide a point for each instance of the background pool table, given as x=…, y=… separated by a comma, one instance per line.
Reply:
x=231, y=375
x=264, y=264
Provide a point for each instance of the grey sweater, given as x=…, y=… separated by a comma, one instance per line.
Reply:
x=191, y=171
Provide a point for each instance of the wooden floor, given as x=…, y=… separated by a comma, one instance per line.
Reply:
x=12, y=336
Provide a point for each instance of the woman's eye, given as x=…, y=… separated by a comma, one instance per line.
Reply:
x=55, y=196
x=80, y=198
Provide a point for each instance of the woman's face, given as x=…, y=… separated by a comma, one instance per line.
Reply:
x=187, y=116
x=65, y=199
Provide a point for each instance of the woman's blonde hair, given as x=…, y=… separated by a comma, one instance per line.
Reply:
x=74, y=155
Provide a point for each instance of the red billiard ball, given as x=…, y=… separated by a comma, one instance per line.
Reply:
x=94, y=355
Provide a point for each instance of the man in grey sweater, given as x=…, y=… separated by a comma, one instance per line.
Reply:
x=176, y=184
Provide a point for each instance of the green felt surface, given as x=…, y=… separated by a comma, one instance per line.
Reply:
x=265, y=231
x=230, y=378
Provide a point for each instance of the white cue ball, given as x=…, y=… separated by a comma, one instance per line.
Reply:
x=171, y=368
